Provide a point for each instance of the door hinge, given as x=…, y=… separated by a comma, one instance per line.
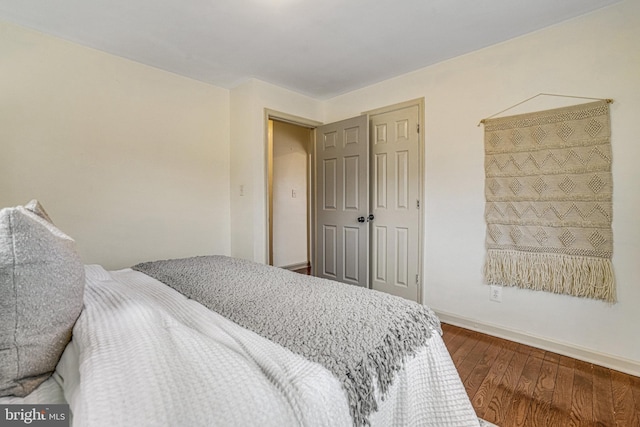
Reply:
x=417, y=204
x=418, y=127
x=417, y=280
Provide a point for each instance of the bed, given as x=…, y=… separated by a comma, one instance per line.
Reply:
x=211, y=340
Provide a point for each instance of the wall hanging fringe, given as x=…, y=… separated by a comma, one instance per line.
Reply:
x=608, y=100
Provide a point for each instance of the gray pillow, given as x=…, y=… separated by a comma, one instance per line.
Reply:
x=41, y=290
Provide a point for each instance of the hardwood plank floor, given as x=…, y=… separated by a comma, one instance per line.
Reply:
x=512, y=384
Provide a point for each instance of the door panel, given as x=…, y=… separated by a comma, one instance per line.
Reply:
x=402, y=179
x=380, y=180
x=351, y=253
x=381, y=254
x=329, y=184
x=342, y=165
x=402, y=257
x=330, y=251
x=351, y=180
x=395, y=177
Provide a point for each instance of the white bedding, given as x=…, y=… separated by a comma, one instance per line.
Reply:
x=144, y=355
x=49, y=392
x=149, y=357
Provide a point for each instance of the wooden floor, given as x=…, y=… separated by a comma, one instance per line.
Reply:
x=512, y=384
x=304, y=270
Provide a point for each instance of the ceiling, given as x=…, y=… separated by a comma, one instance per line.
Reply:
x=318, y=48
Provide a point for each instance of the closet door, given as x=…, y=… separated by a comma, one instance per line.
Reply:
x=342, y=201
x=395, y=233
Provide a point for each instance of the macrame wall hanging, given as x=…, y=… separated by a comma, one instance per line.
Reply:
x=548, y=189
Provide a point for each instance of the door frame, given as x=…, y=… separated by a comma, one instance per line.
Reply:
x=420, y=103
x=280, y=116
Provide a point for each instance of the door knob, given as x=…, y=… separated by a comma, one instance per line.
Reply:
x=370, y=217
x=360, y=219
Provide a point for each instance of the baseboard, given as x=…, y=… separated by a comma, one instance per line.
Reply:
x=627, y=366
x=297, y=266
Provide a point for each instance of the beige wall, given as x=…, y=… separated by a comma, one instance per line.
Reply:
x=248, y=160
x=130, y=161
x=595, y=55
x=290, y=146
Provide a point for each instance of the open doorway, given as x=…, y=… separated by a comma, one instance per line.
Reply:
x=289, y=176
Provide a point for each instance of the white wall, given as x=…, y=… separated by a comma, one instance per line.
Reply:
x=130, y=161
x=595, y=55
x=290, y=145
x=248, y=160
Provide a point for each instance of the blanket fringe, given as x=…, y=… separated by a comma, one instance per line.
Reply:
x=386, y=360
x=579, y=276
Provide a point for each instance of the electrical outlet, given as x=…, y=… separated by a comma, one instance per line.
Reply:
x=495, y=293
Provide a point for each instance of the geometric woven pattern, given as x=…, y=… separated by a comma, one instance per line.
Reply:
x=548, y=190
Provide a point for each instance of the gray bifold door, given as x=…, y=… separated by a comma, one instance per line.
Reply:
x=342, y=201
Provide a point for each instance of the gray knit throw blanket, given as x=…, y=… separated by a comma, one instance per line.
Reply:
x=358, y=334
